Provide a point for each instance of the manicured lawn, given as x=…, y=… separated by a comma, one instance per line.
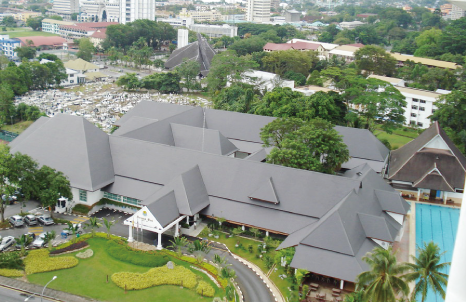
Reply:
x=231, y=242
x=27, y=33
x=398, y=138
x=88, y=278
x=18, y=127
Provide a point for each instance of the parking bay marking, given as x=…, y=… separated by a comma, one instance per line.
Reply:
x=35, y=230
x=79, y=219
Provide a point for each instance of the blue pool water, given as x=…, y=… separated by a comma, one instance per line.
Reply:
x=438, y=224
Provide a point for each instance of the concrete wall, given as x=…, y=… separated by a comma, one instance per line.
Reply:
x=92, y=197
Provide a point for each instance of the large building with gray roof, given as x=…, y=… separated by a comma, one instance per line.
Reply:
x=181, y=163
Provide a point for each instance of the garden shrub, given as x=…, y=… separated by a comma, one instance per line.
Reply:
x=69, y=248
x=11, y=260
x=38, y=261
x=142, y=258
x=11, y=272
x=87, y=236
x=204, y=289
x=179, y=275
x=81, y=208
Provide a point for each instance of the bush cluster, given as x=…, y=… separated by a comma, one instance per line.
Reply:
x=69, y=248
x=179, y=275
x=11, y=260
x=11, y=272
x=204, y=289
x=81, y=208
x=38, y=261
x=142, y=258
x=86, y=236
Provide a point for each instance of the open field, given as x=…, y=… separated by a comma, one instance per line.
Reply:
x=89, y=278
x=26, y=33
x=397, y=138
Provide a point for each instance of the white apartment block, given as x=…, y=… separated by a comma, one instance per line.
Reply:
x=100, y=11
x=53, y=26
x=201, y=16
x=258, y=11
x=215, y=31
x=65, y=8
x=8, y=46
x=177, y=22
x=131, y=10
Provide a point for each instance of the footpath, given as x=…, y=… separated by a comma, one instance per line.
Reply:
x=51, y=294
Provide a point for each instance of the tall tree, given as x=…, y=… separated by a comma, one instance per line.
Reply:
x=384, y=282
x=35, y=23
x=453, y=37
x=451, y=117
x=227, y=66
x=427, y=272
x=312, y=145
x=26, y=52
x=280, y=62
x=86, y=49
x=129, y=81
x=373, y=59
x=188, y=71
x=7, y=107
x=53, y=185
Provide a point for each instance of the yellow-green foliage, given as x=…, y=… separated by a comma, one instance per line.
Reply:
x=11, y=272
x=204, y=288
x=38, y=261
x=156, y=276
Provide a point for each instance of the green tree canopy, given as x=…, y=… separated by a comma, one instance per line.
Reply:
x=375, y=60
x=280, y=62
x=53, y=185
x=427, y=272
x=311, y=145
x=129, y=81
x=86, y=49
x=35, y=23
x=164, y=82
x=450, y=115
x=238, y=97
x=247, y=46
x=26, y=52
x=188, y=71
x=453, y=37
x=385, y=281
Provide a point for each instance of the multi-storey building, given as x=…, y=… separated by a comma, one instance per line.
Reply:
x=24, y=16
x=99, y=10
x=215, y=31
x=53, y=26
x=65, y=8
x=201, y=16
x=177, y=22
x=258, y=11
x=8, y=46
x=131, y=10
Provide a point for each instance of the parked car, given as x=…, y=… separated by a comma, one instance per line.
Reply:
x=11, y=199
x=7, y=242
x=30, y=235
x=67, y=232
x=16, y=221
x=30, y=220
x=45, y=220
x=39, y=241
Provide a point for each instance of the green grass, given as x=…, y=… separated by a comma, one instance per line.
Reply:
x=251, y=257
x=18, y=127
x=28, y=33
x=89, y=278
x=398, y=137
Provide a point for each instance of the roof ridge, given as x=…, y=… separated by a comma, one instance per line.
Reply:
x=83, y=121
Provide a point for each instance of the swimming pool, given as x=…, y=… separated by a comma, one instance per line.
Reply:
x=438, y=224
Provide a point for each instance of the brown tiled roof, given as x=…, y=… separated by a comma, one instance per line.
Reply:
x=286, y=46
x=42, y=41
x=100, y=33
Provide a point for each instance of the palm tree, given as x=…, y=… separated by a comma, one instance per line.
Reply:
x=108, y=224
x=93, y=224
x=426, y=271
x=23, y=241
x=384, y=282
x=178, y=243
x=50, y=237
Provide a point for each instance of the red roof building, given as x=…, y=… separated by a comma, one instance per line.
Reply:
x=42, y=42
x=285, y=46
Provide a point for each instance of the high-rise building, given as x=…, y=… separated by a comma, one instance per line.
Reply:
x=182, y=37
x=99, y=11
x=131, y=10
x=258, y=10
x=65, y=8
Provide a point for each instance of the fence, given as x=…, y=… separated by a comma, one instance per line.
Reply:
x=7, y=135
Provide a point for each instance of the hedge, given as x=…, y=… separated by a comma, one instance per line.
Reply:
x=204, y=289
x=142, y=258
x=72, y=247
x=179, y=275
x=11, y=272
x=81, y=208
x=38, y=261
x=88, y=236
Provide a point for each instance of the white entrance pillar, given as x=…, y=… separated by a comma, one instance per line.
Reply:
x=177, y=229
x=342, y=284
x=130, y=236
x=187, y=219
x=159, y=241
x=267, y=233
x=242, y=227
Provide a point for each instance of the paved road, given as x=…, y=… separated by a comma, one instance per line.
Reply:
x=11, y=295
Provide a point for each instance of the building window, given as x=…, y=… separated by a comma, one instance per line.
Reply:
x=71, y=82
x=433, y=110
x=414, y=107
x=413, y=114
x=422, y=108
x=112, y=196
x=131, y=200
x=82, y=195
x=412, y=123
x=422, y=101
x=419, y=124
x=415, y=100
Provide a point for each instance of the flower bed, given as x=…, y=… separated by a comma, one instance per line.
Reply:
x=86, y=254
x=38, y=261
x=179, y=275
x=71, y=248
x=11, y=272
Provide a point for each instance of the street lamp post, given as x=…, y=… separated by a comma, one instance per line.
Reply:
x=42, y=295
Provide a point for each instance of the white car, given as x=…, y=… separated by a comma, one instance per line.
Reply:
x=39, y=241
x=68, y=232
x=7, y=242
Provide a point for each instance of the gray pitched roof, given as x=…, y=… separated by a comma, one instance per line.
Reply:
x=199, y=51
x=164, y=208
x=391, y=202
x=132, y=188
x=73, y=146
x=375, y=227
x=265, y=192
x=133, y=123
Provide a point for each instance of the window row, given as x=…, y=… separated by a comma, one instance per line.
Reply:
x=120, y=198
x=418, y=100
